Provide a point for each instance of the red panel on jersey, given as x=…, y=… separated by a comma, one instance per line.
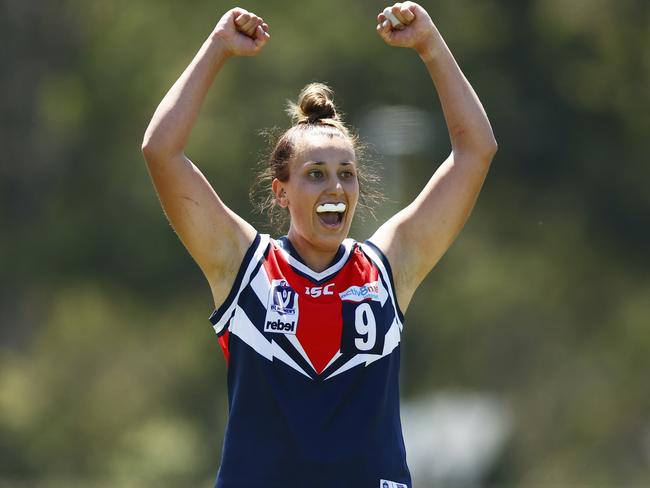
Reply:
x=223, y=342
x=319, y=326
x=319, y=332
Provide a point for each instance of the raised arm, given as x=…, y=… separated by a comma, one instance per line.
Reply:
x=415, y=238
x=215, y=236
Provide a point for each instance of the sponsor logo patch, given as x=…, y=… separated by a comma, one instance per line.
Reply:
x=282, y=309
x=279, y=326
x=391, y=484
x=369, y=291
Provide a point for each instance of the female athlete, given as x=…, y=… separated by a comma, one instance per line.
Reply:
x=310, y=323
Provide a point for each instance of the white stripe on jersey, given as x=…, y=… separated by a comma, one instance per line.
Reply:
x=293, y=339
x=259, y=253
x=348, y=244
x=391, y=341
x=355, y=361
x=243, y=328
x=279, y=353
x=261, y=285
x=370, y=252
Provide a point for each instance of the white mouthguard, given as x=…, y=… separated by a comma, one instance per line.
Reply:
x=331, y=207
x=394, y=21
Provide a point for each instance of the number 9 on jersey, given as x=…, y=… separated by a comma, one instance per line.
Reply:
x=361, y=332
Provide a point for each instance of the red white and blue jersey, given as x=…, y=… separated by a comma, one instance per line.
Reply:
x=313, y=366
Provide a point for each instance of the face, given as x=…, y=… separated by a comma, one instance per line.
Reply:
x=323, y=171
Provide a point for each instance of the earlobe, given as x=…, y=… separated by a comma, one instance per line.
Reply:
x=280, y=193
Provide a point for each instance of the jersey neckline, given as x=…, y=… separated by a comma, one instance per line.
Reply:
x=298, y=264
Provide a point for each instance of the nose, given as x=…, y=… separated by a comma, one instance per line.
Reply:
x=336, y=187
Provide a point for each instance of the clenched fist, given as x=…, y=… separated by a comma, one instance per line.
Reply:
x=241, y=32
x=416, y=29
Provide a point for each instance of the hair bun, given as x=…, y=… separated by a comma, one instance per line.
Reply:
x=314, y=104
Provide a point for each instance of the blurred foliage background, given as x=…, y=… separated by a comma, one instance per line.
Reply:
x=110, y=374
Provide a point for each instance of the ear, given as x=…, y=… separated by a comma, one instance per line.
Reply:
x=280, y=194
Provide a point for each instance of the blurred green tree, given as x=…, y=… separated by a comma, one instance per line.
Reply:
x=109, y=373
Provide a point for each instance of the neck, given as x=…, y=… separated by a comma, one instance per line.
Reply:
x=316, y=258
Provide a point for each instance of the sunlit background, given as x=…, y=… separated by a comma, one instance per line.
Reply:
x=526, y=352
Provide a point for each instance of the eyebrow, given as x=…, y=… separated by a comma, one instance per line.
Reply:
x=320, y=163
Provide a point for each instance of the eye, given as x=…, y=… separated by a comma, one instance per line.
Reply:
x=315, y=174
x=347, y=174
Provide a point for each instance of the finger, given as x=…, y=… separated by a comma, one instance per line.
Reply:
x=258, y=21
x=250, y=31
x=261, y=34
x=247, y=23
x=237, y=12
x=380, y=18
x=406, y=15
x=396, y=10
x=241, y=19
x=249, y=27
x=261, y=38
x=400, y=14
x=394, y=21
x=383, y=29
x=256, y=27
x=265, y=26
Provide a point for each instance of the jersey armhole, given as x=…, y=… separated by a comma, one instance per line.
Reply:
x=222, y=315
x=388, y=272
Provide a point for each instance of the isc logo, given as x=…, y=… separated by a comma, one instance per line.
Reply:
x=316, y=291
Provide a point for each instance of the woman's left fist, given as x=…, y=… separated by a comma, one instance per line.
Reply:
x=415, y=28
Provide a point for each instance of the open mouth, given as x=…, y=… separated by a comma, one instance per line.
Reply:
x=331, y=214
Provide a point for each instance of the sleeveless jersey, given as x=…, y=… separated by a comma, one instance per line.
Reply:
x=313, y=366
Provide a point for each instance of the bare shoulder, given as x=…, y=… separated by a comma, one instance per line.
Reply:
x=222, y=272
x=392, y=239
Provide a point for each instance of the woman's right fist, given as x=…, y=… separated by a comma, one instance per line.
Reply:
x=242, y=33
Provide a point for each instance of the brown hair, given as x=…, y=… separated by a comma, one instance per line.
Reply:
x=315, y=113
